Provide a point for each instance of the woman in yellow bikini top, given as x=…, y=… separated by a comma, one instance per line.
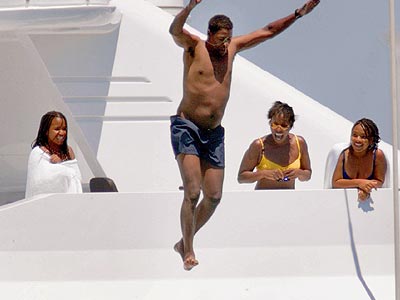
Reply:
x=278, y=159
x=266, y=164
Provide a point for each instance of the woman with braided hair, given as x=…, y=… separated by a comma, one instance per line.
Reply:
x=361, y=165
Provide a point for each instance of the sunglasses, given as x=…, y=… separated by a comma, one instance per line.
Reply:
x=225, y=40
x=275, y=126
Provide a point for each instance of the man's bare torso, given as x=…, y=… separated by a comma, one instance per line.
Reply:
x=206, y=86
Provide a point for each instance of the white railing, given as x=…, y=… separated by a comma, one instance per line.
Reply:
x=28, y=3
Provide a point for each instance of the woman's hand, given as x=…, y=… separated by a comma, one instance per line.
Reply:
x=367, y=185
x=54, y=158
x=291, y=174
x=365, y=188
x=362, y=195
x=274, y=175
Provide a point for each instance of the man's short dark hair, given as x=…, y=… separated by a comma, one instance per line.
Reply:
x=219, y=22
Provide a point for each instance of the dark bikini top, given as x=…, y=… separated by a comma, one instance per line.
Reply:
x=370, y=177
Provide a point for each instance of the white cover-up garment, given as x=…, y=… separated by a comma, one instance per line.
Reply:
x=44, y=177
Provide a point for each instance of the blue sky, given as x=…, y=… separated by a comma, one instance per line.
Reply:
x=339, y=54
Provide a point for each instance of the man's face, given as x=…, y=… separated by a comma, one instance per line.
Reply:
x=220, y=41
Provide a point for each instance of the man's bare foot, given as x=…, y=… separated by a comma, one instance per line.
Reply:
x=190, y=262
x=179, y=248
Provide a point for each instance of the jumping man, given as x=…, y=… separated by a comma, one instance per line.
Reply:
x=196, y=133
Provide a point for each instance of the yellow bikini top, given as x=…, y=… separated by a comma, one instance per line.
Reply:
x=266, y=164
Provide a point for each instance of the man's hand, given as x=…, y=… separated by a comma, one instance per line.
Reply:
x=193, y=3
x=307, y=8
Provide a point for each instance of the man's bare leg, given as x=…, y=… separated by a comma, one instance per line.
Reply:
x=190, y=169
x=188, y=230
x=212, y=191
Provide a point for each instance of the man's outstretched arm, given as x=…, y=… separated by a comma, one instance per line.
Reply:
x=181, y=36
x=253, y=39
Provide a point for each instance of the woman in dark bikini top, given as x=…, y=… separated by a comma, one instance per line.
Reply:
x=362, y=165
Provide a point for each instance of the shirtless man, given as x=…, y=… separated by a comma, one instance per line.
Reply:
x=196, y=133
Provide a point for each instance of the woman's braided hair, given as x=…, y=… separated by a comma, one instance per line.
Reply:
x=371, y=131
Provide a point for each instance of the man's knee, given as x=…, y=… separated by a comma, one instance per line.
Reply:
x=192, y=196
x=214, y=198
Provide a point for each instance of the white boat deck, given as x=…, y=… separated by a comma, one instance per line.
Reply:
x=258, y=245
x=205, y=287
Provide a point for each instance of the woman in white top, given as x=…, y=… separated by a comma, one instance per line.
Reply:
x=52, y=167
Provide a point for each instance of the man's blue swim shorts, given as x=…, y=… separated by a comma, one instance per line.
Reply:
x=207, y=144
